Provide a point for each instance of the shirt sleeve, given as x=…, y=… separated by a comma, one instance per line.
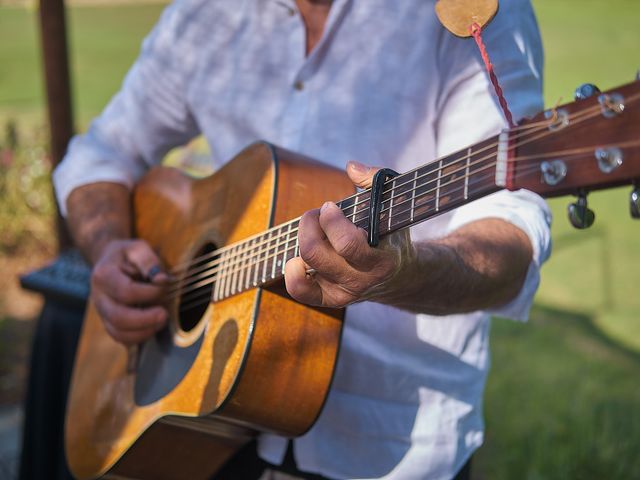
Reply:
x=469, y=112
x=143, y=121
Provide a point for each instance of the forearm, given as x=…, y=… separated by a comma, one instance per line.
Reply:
x=481, y=265
x=99, y=213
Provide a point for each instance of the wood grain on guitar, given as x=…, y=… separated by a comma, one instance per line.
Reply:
x=251, y=359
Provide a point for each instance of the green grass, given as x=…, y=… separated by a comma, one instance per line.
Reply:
x=563, y=393
x=103, y=41
x=562, y=398
x=561, y=402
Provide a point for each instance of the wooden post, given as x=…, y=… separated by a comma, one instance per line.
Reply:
x=53, y=37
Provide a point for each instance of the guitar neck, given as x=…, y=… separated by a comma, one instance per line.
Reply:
x=407, y=199
x=589, y=144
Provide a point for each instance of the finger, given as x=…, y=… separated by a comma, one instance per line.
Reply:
x=315, y=248
x=109, y=278
x=144, y=259
x=360, y=174
x=125, y=318
x=346, y=239
x=301, y=287
x=129, y=337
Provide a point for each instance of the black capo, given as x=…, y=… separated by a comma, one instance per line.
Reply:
x=375, y=203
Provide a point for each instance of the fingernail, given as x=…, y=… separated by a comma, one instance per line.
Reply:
x=359, y=167
x=153, y=271
x=325, y=206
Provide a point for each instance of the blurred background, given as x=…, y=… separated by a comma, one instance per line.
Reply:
x=563, y=398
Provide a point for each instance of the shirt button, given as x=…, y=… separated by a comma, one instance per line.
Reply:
x=291, y=12
x=299, y=85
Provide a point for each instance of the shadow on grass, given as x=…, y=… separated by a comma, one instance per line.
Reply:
x=562, y=401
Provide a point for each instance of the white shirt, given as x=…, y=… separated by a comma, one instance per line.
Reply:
x=386, y=85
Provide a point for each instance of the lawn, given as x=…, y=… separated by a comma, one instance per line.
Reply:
x=563, y=396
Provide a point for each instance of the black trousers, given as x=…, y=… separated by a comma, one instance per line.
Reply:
x=247, y=465
x=53, y=351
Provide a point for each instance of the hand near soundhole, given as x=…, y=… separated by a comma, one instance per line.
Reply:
x=337, y=266
x=127, y=288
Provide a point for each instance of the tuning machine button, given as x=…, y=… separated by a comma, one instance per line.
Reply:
x=634, y=202
x=608, y=158
x=580, y=215
x=585, y=91
x=553, y=172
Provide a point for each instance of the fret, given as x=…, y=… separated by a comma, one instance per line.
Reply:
x=413, y=194
x=216, y=283
x=361, y=209
x=424, y=196
x=227, y=273
x=233, y=277
x=356, y=201
x=256, y=263
x=242, y=266
x=387, y=193
x=220, y=280
x=403, y=201
x=348, y=207
x=274, y=262
x=248, y=264
x=466, y=174
x=482, y=169
x=392, y=194
x=235, y=262
x=438, y=186
x=285, y=257
x=223, y=273
x=266, y=256
x=252, y=278
x=451, y=182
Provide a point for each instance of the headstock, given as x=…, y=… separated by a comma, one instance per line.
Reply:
x=590, y=144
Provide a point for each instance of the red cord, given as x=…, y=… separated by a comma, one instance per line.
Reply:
x=476, y=31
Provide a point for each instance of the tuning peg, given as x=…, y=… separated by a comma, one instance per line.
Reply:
x=634, y=202
x=580, y=215
x=585, y=90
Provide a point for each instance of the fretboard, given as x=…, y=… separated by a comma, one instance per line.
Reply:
x=407, y=199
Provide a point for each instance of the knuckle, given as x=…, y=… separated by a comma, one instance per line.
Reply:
x=99, y=273
x=310, y=252
x=123, y=292
x=346, y=245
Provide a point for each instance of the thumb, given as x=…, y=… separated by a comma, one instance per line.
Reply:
x=361, y=174
x=141, y=256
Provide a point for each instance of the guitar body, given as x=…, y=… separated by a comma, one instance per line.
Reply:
x=185, y=401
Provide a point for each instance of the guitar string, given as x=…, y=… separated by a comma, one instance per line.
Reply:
x=289, y=239
x=270, y=245
x=597, y=108
x=412, y=180
x=543, y=124
x=247, y=246
x=271, y=252
x=196, y=298
x=572, y=119
x=237, y=283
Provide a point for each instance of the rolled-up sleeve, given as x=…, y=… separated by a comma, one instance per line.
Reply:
x=143, y=121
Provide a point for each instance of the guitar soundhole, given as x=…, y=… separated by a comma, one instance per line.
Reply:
x=196, y=288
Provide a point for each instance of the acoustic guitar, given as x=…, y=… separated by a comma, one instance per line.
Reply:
x=239, y=356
